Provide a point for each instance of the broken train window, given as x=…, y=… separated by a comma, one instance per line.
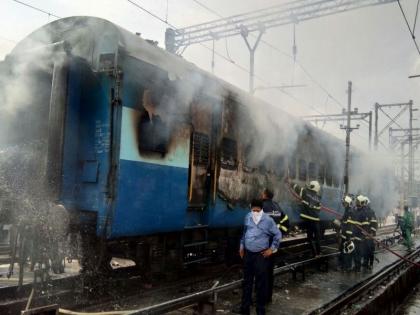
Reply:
x=201, y=146
x=153, y=134
x=228, y=158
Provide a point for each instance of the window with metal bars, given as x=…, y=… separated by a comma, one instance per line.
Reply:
x=201, y=149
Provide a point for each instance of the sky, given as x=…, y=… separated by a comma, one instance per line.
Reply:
x=370, y=47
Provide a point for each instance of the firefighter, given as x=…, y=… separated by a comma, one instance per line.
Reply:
x=273, y=209
x=406, y=224
x=370, y=242
x=359, y=222
x=344, y=260
x=309, y=213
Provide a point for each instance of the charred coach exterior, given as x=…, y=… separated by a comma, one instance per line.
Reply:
x=152, y=154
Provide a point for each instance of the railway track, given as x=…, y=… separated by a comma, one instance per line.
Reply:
x=358, y=299
x=88, y=294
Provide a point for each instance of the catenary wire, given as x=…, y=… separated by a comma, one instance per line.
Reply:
x=37, y=9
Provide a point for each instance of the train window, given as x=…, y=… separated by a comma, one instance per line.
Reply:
x=292, y=168
x=312, y=171
x=336, y=181
x=303, y=172
x=201, y=146
x=321, y=174
x=228, y=159
x=328, y=177
x=279, y=167
x=248, y=165
x=154, y=134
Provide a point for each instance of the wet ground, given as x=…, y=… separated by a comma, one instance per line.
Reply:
x=319, y=288
x=70, y=270
x=412, y=304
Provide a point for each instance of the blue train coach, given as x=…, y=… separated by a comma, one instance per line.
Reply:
x=155, y=159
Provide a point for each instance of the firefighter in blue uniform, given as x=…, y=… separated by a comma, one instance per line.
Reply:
x=370, y=243
x=344, y=259
x=309, y=213
x=274, y=210
x=360, y=225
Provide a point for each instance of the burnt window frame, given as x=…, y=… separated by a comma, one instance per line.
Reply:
x=302, y=171
x=223, y=146
x=312, y=171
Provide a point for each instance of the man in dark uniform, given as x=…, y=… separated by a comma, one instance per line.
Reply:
x=273, y=209
x=359, y=223
x=310, y=208
x=370, y=243
x=261, y=238
x=344, y=260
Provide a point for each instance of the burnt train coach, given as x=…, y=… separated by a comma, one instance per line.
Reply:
x=154, y=159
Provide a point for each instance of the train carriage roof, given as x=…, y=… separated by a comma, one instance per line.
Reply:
x=89, y=37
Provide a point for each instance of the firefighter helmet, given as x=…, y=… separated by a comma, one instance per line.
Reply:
x=348, y=247
x=315, y=186
x=347, y=200
x=360, y=200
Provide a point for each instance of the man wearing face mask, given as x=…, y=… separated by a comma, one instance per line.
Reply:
x=261, y=238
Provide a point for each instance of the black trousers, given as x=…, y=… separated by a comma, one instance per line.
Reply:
x=369, y=252
x=270, y=274
x=359, y=253
x=256, y=268
x=313, y=233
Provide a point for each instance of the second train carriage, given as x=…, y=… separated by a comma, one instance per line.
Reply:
x=150, y=154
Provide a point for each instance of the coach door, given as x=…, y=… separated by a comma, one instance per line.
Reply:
x=200, y=153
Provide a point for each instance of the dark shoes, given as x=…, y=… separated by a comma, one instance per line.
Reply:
x=239, y=310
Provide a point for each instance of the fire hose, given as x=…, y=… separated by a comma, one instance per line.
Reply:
x=366, y=234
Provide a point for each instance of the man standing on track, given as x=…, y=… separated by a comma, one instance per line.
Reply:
x=273, y=209
x=261, y=238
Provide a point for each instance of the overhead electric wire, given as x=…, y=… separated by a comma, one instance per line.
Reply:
x=408, y=25
x=37, y=9
x=319, y=85
x=415, y=18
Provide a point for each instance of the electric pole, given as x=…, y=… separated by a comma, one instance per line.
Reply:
x=348, y=129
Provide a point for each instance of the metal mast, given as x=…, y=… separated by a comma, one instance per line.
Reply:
x=177, y=40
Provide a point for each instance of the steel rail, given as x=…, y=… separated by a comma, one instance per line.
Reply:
x=355, y=292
